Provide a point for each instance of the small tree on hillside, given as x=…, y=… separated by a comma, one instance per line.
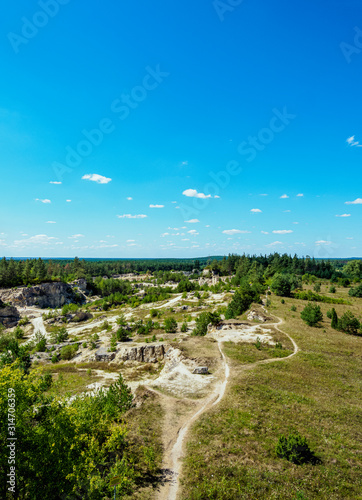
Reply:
x=349, y=323
x=312, y=315
x=334, y=319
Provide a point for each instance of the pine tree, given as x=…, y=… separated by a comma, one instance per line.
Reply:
x=334, y=318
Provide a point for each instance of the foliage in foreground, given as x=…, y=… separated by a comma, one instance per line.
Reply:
x=78, y=447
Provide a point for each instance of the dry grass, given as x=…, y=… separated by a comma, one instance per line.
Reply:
x=231, y=453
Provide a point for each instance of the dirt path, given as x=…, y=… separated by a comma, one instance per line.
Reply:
x=173, y=452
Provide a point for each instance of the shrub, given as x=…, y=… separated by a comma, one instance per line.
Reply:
x=19, y=333
x=40, y=342
x=258, y=344
x=334, y=318
x=203, y=320
x=60, y=335
x=356, y=292
x=293, y=308
x=24, y=321
x=278, y=345
x=54, y=358
x=184, y=327
x=312, y=315
x=332, y=289
x=122, y=334
x=348, y=323
x=295, y=449
x=317, y=287
x=170, y=325
x=121, y=320
x=282, y=301
x=68, y=352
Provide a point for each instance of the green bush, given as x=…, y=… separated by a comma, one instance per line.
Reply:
x=24, y=321
x=122, y=334
x=332, y=289
x=203, y=320
x=348, y=323
x=312, y=315
x=356, y=292
x=68, y=352
x=170, y=325
x=295, y=449
x=19, y=333
x=317, y=287
x=293, y=308
x=184, y=327
x=282, y=301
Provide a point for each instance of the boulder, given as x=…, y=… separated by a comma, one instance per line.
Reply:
x=201, y=370
x=46, y=295
x=81, y=316
x=9, y=315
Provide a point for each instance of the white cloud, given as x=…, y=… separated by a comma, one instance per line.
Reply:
x=216, y=196
x=264, y=232
x=275, y=243
x=185, y=239
x=193, y=232
x=50, y=222
x=165, y=234
x=295, y=222
x=263, y=194
x=129, y=198
x=184, y=163
x=282, y=231
x=131, y=241
x=192, y=193
x=283, y=196
x=256, y=210
x=76, y=236
x=322, y=242
x=173, y=201
x=68, y=201
x=352, y=142
x=349, y=238
x=358, y=201
x=300, y=194
x=54, y=182
x=192, y=221
x=99, y=179
x=106, y=246
x=157, y=206
x=344, y=215
x=43, y=201
x=207, y=225
x=39, y=239
x=195, y=246
x=129, y=216
x=286, y=211
x=234, y=231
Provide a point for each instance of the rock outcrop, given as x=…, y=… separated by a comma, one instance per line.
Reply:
x=104, y=355
x=9, y=315
x=52, y=295
x=201, y=370
x=142, y=354
x=258, y=316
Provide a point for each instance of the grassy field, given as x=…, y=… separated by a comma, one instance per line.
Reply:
x=231, y=449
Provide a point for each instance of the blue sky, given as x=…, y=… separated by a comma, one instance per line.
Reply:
x=180, y=129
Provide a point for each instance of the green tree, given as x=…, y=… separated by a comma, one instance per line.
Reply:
x=334, y=319
x=170, y=325
x=348, y=323
x=312, y=315
x=202, y=322
x=241, y=301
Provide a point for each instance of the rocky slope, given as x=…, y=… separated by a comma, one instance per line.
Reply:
x=45, y=295
x=9, y=315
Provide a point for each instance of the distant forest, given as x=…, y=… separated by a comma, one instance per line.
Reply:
x=34, y=271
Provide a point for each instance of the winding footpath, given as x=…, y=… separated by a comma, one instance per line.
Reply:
x=173, y=457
